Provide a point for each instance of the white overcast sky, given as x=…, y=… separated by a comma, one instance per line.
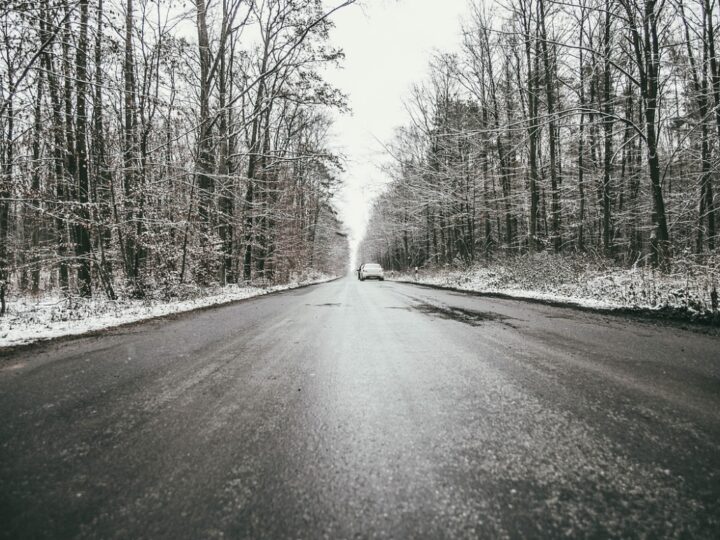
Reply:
x=388, y=45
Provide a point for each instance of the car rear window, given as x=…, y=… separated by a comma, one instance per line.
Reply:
x=372, y=267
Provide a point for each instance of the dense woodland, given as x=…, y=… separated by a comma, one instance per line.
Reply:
x=152, y=143
x=588, y=126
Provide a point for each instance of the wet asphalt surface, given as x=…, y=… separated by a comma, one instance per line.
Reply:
x=365, y=410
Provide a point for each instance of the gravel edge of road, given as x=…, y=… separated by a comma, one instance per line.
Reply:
x=44, y=342
x=676, y=318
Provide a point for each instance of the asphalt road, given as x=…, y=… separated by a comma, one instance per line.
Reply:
x=365, y=410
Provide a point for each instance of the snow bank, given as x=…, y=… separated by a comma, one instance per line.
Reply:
x=35, y=319
x=586, y=282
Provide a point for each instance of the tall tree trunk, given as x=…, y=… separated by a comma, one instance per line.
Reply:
x=58, y=144
x=711, y=59
x=552, y=132
x=502, y=154
x=82, y=222
x=205, y=181
x=102, y=187
x=533, y=128
x=254, y=148
x=581, y=140
x=608, y=135
x=226, y=195
x=129, y=154
x=6, y=182
x=69, y=170
x=36, y=166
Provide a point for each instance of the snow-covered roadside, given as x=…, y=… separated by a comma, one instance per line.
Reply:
x=38, y=319
x=687, y=292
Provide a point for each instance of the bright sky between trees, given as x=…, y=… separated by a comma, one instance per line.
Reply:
x=388, y=44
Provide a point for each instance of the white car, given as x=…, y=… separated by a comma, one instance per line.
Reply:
x=371, y=271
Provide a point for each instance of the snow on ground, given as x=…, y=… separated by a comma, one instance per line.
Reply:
x=687, y=290
x=36, y=319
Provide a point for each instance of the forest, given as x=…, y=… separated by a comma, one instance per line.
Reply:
x=151, y=144
x=588, y=128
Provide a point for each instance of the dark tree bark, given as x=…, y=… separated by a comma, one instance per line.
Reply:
x=226, y=197
x=205, y=181
x=35, y=186
x=533, y=122
x=549, y=72
x=82, y=223
x=130, y=148
x=102, y=188
x=608, y=113
x=6, y=181
x=58, y=145
x=581, y=139
x=253, y=155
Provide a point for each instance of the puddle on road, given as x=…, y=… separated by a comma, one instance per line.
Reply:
x=467, y=316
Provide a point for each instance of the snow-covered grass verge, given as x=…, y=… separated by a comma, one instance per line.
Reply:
x=36, y=319
x=689, y=291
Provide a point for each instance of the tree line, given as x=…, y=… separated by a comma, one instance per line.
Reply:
x=566, y=127
x=152, y=143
